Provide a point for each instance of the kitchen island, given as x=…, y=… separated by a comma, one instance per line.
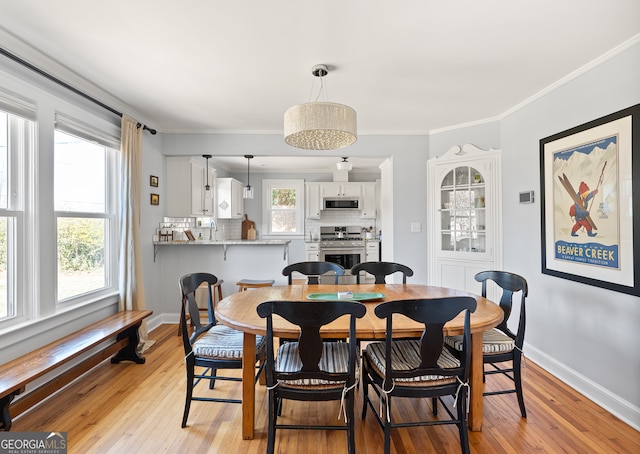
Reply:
x=230, y=260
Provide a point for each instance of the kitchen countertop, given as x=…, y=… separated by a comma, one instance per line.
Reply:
x=223, y=243
x=373, y=240
x=220, y=242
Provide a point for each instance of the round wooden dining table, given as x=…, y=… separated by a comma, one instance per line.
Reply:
x=239, y=311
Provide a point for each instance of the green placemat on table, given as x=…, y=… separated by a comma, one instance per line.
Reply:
x=345, y=296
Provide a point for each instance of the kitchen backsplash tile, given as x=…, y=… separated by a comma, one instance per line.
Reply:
x=231, y=229
x=338, y=218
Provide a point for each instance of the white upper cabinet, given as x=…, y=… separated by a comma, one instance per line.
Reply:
x=186, y=194
x=340, y=189
x=230, y=202
x=314, y=200
x=369, y=201
x=202, y=200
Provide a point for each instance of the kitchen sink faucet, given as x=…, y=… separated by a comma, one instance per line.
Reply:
x=212, y=229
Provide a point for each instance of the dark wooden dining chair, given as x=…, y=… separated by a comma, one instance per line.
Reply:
x=500, y=344
x=313, y=270
x=419, y=368
x=311, y=369
x=217, y=289
x=380, y=270
x=212, y=346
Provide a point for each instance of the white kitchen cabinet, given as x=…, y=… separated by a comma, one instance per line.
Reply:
x=186, y=194
x=230, y=202
x=343, y=189
x=464, y=216
x=368, y=201
x=314, y=200
x=313, y=252
x=372, y=254
x=372, y=251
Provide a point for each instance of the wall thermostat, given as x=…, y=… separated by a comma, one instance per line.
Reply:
x=526, y=197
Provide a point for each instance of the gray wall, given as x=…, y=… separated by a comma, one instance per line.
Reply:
x=582, y=334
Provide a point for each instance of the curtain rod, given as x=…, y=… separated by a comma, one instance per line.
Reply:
x=62, y=83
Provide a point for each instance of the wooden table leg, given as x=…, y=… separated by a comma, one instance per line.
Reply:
x=476, y=383
x=248, y=386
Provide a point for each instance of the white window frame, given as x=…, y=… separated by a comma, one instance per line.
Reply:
x=71, y=126
x=20, y=148
x=267, y=186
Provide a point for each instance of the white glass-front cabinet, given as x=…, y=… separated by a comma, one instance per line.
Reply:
x=464, y=216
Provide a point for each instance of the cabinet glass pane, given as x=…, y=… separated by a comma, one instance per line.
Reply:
x=448, y=243
x=476, y=176
x=445, y=220
x=462, y=176
x=448, y=199
x=462, y=211
x=448, y=180
x=477, y=195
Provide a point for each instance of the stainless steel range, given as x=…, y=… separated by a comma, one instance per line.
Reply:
x=344, y=246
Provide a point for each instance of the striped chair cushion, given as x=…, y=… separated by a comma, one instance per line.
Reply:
x=222, y=342
x=335, y=359
x=493, y=341
x=405, y=355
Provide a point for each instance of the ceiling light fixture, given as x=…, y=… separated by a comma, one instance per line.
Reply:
x=344, y=164
x=206, y=171
x=320, y=125
x=247, y=192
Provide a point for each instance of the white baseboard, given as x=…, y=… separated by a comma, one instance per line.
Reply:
x=162, y=319
x=611, y=402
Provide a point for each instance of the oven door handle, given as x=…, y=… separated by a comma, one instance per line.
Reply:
x=343, y=250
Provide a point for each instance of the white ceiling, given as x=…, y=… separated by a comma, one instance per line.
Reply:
x=405, y=66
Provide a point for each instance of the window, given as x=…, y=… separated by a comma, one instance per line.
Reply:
x=283, y=207
x=16, y=142
x=59, y=197
x=85, y=215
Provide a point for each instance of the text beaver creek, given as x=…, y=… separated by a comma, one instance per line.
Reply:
x=589, y=252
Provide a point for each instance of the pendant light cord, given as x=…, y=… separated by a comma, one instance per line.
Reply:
x=249, y=157
x=206, y=170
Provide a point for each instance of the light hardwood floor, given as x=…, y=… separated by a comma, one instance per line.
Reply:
x=129, y=408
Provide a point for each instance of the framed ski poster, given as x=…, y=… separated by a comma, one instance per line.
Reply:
x=588, y=178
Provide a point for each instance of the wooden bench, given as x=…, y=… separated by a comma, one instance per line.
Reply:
x=16, y=374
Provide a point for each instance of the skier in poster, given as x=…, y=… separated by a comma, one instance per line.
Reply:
x=580, y=212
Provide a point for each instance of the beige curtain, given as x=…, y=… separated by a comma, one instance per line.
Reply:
x=131, y=277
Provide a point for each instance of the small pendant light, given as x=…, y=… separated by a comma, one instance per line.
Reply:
x=207, y=188
x=344, y=164
x=247, y=192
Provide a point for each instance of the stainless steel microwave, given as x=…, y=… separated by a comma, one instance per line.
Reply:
x=341, y=204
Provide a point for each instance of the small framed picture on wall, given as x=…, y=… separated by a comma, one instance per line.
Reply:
x=153, y=181
x=155, y=199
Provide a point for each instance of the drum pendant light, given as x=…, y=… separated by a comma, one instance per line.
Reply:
x=320, y=125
